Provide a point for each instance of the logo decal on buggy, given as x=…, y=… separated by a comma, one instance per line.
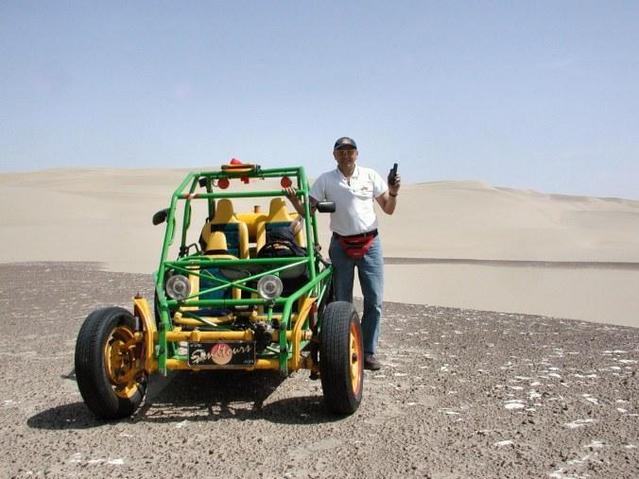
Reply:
x=221, y=353
x=198, y=356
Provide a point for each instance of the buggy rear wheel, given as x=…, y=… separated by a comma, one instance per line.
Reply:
x=108, y=363
x=341, y=358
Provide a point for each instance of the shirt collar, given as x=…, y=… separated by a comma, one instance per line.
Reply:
x=353, y=176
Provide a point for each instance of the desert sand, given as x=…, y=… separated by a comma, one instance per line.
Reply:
x=462, y=394
x=470, y=386
x=450, y=243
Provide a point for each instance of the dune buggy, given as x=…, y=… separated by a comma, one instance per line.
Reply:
x=234, y=298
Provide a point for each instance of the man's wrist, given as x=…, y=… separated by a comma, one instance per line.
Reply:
x=394, y=195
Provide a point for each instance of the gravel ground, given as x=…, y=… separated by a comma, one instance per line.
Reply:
x=462, y=393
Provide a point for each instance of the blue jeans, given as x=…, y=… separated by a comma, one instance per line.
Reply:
x=370, y=270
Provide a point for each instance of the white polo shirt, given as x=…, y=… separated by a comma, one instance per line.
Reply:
x=354, y=213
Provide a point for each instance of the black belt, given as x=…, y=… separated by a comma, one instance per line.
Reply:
x=361, y=235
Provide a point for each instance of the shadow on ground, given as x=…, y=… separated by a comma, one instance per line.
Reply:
x=195, y=397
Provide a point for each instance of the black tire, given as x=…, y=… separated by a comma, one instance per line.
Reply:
x=341, y=358
x=99, y=333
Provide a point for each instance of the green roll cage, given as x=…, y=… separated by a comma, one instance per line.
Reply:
x=203, y=185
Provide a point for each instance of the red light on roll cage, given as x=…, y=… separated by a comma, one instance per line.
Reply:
x=286, y=182
x=223, y=183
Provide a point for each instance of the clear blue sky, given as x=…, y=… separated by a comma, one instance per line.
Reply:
x=541, y=95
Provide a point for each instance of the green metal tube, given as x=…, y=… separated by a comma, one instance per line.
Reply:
x=253, y=301
x=310, y=249
x=186, y=221
x=269, y=173
x=286, y=317
x=168, y=236
x=237, y=194
x=204, y=261
x=284, y=349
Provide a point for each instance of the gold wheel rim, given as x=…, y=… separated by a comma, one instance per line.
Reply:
x=122, y=361
x=356, y=357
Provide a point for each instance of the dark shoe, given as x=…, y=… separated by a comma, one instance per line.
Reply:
x=371, y=362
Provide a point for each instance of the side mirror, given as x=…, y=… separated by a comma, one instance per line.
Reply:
x=160, y=216
x=326, y=206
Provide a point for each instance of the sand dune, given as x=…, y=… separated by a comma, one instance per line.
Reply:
x=475, y=231
x=475, y=220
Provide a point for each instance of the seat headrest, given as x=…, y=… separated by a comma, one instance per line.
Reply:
x=216, y=242
x=278, y=211
x=224, y=212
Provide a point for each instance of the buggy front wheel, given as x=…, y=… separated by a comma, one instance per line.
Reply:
x=341, y=358
x=108, y=363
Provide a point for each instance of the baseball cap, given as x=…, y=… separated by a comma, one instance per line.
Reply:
x=345, y=142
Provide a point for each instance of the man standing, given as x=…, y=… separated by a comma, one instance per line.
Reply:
x=355, y=240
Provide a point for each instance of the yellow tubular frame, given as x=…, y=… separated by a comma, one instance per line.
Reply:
x=295, y=362
x=142, y=311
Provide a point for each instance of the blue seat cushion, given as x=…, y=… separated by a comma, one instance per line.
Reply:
x=206, y=283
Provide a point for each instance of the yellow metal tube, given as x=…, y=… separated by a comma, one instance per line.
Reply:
x=297, y=334
x=247, y=335
x=196, y=336
x=180, y=319
x=142, y=311
x=175, y=364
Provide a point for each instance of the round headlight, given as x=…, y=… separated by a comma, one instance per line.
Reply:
x=178, y=287
x=269, y=286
